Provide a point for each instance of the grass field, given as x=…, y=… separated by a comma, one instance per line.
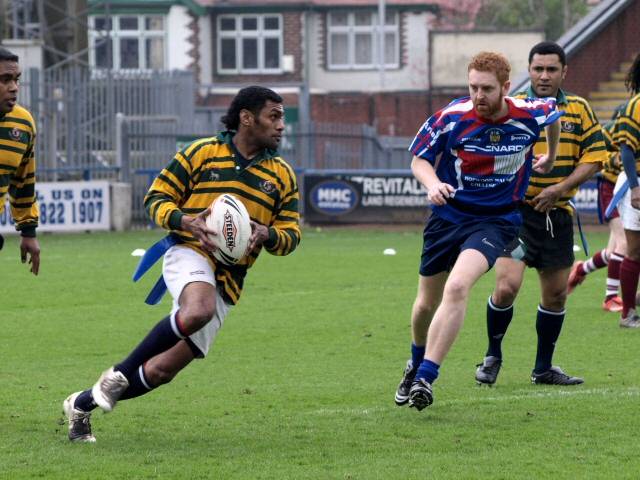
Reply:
x=301, y=380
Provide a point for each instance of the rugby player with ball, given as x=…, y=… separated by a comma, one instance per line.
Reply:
x=223, y=200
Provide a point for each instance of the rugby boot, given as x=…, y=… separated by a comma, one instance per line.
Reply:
x=79, y=421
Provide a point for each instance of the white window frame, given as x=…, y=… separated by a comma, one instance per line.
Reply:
x=115, y=34
x=351, y=29
x=260, y=34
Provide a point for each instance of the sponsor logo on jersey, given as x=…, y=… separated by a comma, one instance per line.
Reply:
x=230, y=231
x=496, y=148
x=495, y=135
x=520, y=136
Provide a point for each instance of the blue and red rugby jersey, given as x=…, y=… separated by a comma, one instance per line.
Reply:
x=488, y=163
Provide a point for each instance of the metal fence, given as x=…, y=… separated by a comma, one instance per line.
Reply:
x=75, y=111
x=127, y=126
x=147, y=143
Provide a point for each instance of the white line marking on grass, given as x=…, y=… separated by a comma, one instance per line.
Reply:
x=519, y=395
x=552, y=393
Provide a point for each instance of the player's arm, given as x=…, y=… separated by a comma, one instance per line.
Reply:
x=168, y=191
x=546, y=199
x=22, y=196
x=544, y=163
x=437, y=191
x=283, y=235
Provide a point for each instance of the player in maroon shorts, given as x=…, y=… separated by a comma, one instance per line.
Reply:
x=611, y=256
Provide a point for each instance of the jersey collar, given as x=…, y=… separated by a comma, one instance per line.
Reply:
x=227, y=135
x=561, y=97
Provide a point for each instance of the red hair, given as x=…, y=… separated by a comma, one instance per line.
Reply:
x=491, y=62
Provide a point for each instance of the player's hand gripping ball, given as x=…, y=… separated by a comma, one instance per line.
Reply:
x=230, y=219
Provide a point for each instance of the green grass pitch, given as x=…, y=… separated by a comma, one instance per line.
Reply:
x=300, y=382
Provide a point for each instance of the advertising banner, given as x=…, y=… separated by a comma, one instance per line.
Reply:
x=67, y=207
x=351, y=197
x=364, y=197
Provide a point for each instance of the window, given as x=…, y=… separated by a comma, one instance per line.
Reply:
x=249, y=44
x=127, y=42
x=353, y=41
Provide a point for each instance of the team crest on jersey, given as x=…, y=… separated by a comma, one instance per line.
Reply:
x=213, y=176
x=567, y=126
x=15, y=134
x=267, y=187
x=495, y=135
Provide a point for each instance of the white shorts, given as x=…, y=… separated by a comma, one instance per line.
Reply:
x=182, y=266
x=630, y=216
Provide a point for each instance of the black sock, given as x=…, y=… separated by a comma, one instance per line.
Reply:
x=138, y=385
x=85, y=402
x=548, y=326
x=498, y=320
x=160, y=339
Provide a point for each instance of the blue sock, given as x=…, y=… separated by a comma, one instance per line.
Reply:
x=428, y=370
x=160, y=339
x=498, y=320
x=85, y=402
x=417, y=354
x=138, y=385
x=548, y=326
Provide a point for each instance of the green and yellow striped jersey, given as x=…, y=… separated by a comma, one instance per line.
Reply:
x=207, y=168
x=18, y=168
x=581, y=141
x=613, y=165
x=627, y=129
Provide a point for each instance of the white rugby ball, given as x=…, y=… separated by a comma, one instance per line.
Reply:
x=230, y=220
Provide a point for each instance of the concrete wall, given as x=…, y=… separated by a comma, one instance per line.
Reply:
x=178, y=32
x=452, y=52
x=121, y=205
x=29, y=51
x=206, y=50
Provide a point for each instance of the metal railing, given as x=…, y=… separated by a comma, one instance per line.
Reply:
x=146, y=144
x=75, y=112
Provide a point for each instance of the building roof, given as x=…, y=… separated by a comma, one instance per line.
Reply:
x=583, y=31
x=312, y=3
x=116, y=6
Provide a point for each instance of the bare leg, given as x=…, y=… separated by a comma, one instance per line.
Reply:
x=449, y=316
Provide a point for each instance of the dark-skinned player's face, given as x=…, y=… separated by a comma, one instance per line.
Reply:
x=546, y=73
x=9, y=77
x=267, y=127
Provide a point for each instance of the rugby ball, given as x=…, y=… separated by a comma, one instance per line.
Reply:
x=230, y=220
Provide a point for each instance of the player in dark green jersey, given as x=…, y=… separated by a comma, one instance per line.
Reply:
x=547, y=229
x=17, y=160
x=242, y=161
x=612, y=256
x=626, y=137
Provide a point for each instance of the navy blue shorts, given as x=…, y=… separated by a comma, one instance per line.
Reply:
x=443, y=241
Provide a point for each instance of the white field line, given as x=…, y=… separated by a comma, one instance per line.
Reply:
x=518, y=395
